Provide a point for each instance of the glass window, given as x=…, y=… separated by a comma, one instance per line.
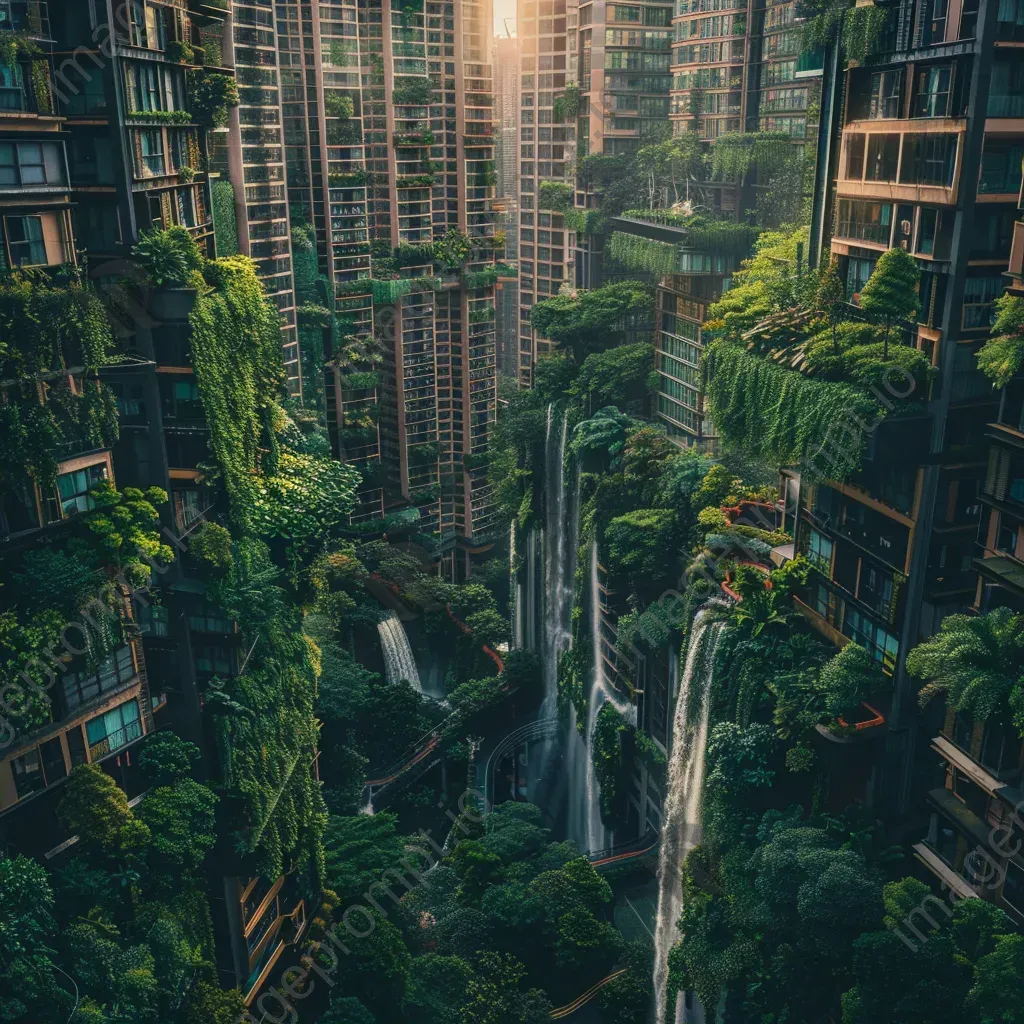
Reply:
x=12, y=93
x=84, y=684
x=883, y=157
x=76, y=745
x=1000, y=166
x=208, y=618
x=151, y=142
x=113, y=730
x=154, y=620
x=882, y=646
x=885, y=94
x=857, y=273
x=8, y=163
x=31, y=163
x=52, y=755
x=855, y=144
x=28, y=774
x=926, y=230
x=1013, y=888
x=25, y=239
x=928, y=159
x=74, y=488
x=933, y=92
x=819, y=551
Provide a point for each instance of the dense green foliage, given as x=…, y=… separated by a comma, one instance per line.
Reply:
x=790, y=384
x=1001, y=356
x=977, y=663
x=125, y=917
x=595, y=320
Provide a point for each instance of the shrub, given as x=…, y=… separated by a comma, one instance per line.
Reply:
x=211, y=545
x=1001, y=356
x=554, y=195
x=338, y=104
x=412, y=91
x=170, y=256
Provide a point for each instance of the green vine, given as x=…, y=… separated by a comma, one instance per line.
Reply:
x=642, y=254
x=785, y=418
x=225, y=226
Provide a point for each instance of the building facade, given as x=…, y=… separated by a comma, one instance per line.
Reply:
x=97, y=148
x=927, y=128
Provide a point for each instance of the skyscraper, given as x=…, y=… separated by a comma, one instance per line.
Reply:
x=390, y=159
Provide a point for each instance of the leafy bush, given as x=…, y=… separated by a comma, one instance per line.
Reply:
x=593, y=320
x=412, y=91
x=211, y=545
x=1002, y=355
x=338, y=104
x=554, y=195
x=977, y=663
x=213, y=96
x=170, y=257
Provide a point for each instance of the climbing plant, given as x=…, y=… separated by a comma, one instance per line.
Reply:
x=642, y=254
x=236, y=355
x=265, y=726
x=735, y=154
x=785, y=418
x=610, y=763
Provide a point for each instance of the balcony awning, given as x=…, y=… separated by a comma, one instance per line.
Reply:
x=1002, y=570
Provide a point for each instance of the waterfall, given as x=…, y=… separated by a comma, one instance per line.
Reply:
x=557, y=596
x=576, y=779
x=680, y=830
x=398, y=660
x=515, y=588
x=594, y=837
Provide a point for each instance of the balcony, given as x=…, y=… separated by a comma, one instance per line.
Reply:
x=27, y=88
x=28, y=17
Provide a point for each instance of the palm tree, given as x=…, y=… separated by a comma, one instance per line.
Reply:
x=977, y=662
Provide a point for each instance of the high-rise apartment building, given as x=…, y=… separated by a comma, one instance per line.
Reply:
x=255, y=159
x=108, y=127
x=549, y=106
x=506, y=98
x=928, y=161
x=389, y=144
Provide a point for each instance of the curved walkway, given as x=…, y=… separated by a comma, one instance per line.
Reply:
x=570, y=1008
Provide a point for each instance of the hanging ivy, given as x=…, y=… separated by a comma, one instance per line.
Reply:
x=735, y=154
x=610, y=764
x=51, y=331
x=785, y=418
x=642, y=254
x=225, y=227
x=236, y=355
x=265, y=724
x=412, y=91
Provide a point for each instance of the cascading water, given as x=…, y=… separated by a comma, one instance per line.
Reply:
x=681, y=815
x=398, y=660
x=593, y=836
x=558, y=550
x=516, y=589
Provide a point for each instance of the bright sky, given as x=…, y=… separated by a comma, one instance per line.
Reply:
x=504, y=9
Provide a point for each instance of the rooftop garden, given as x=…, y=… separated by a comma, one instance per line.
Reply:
x=793, y=378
